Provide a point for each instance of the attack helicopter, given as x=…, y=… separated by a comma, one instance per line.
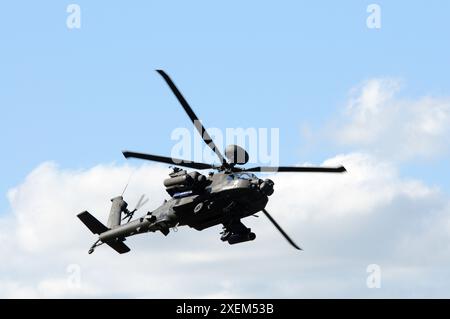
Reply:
x=224, y=196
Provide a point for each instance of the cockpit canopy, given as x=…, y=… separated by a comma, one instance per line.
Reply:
x=243, y=175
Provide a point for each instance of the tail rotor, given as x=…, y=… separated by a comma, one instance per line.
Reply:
x=141, y=202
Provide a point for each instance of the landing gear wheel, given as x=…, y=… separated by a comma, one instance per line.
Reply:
x=198, y=208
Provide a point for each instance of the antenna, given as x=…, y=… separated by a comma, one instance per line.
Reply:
x=126, y=186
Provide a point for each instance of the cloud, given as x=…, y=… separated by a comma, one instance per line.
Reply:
x=345, y=222
x=378, y=120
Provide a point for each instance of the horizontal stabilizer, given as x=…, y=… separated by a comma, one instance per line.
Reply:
x=92, y=223
x=118, y=246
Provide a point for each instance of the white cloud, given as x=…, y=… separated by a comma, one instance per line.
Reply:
x=378, y=120
x=344, y=222
x=370, y=215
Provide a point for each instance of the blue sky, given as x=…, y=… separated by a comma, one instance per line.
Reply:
x=78, y=97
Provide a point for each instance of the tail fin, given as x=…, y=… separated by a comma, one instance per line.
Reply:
x=94, y=225
x=115, y=215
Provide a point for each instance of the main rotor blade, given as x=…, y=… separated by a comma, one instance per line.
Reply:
x=167, y=160
x=198, y=125
x=281, y=230
x=297, y=169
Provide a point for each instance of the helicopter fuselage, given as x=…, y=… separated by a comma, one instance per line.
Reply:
x=225, y=200
x=229, y=197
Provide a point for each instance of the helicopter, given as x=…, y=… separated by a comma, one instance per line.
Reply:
x=224, y=196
